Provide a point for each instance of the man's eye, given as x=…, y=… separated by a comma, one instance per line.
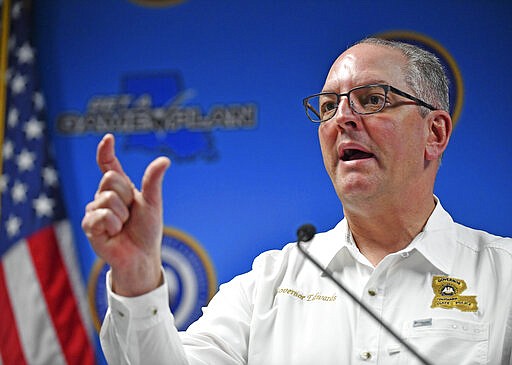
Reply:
x=328, y=106
x=375, y=99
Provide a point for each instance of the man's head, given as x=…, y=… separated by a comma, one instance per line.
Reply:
x=390, y=153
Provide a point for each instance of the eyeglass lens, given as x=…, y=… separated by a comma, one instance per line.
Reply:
x=363, y=100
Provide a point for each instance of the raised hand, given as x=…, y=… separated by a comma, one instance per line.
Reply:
x=124, y=225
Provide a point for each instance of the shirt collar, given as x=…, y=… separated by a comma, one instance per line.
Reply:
x=433, y=242
x=326, y=245
x=336, y=248
x=436, y=241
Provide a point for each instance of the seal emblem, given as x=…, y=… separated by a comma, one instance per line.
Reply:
x=447, y=294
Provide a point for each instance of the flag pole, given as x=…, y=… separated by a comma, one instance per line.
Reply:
x=3, y=79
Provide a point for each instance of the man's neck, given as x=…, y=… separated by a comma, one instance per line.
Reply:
x=388, y=227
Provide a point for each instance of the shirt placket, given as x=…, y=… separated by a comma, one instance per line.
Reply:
x=368, y=331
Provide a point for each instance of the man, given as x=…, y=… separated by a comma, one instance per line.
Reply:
x=383, y=129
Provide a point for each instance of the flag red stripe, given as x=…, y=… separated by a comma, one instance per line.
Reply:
x=10, y=346
x=59, y=296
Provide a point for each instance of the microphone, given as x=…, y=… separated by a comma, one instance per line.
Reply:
x=305, y=233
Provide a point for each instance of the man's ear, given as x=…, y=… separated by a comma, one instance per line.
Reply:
x=439, y=131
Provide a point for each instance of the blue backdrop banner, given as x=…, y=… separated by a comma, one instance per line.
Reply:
x=217, y=86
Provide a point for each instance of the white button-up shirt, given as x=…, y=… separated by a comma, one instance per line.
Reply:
x=449, y=294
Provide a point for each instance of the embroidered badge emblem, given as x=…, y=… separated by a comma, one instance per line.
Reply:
x=447, y=294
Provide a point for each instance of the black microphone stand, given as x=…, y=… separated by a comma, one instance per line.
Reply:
x=304, y=234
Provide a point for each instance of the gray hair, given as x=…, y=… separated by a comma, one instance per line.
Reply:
x=424, y=74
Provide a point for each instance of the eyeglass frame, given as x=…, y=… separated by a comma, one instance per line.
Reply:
x=387, y=88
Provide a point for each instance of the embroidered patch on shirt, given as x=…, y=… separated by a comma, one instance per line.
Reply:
x=447, y=294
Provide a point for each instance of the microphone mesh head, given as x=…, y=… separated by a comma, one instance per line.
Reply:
x=306, y=232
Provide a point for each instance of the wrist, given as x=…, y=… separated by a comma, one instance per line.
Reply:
x=136, y=280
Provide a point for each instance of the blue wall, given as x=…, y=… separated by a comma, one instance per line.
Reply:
x=256, y=184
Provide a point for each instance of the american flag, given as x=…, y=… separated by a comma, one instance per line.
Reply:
x=43, y=311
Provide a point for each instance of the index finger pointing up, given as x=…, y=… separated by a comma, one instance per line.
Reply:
x=106, y=156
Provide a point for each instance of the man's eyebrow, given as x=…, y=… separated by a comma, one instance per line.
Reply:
x=371, y=82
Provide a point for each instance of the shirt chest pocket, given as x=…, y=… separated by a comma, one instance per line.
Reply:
x=447, y=341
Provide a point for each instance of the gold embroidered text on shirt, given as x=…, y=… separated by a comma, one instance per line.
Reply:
x=307, y=297
x=447, y=294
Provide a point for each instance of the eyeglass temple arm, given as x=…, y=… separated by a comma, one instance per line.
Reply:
x=310, y=107
x=413, y=98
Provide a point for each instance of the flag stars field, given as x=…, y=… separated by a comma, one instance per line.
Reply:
x=13, y=225
x=19, y=192
x=25, y=160
x=25, y=54
x=18, y=84
x=50, y=176
x=33, y=129
x=13, y=117
x=44, y=206
x=8, y=150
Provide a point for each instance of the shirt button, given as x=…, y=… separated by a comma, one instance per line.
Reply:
x=366, y=355
x=405, y=254
x=372, y=292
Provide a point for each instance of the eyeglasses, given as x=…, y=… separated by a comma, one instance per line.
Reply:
x=364, y=100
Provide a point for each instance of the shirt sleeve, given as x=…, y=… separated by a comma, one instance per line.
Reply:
x=140, y=330
x=508, y=338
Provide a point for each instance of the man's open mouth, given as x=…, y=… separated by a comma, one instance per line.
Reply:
x=355, y=154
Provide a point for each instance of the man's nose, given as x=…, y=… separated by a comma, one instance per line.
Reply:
x=345, y=116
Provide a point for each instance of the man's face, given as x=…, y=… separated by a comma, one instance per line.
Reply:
x=378, y=155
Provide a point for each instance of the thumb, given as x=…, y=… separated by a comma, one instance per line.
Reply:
x=151, y=188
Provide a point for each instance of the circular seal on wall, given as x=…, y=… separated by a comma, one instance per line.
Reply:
x=188, y=271
x=446, y=59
